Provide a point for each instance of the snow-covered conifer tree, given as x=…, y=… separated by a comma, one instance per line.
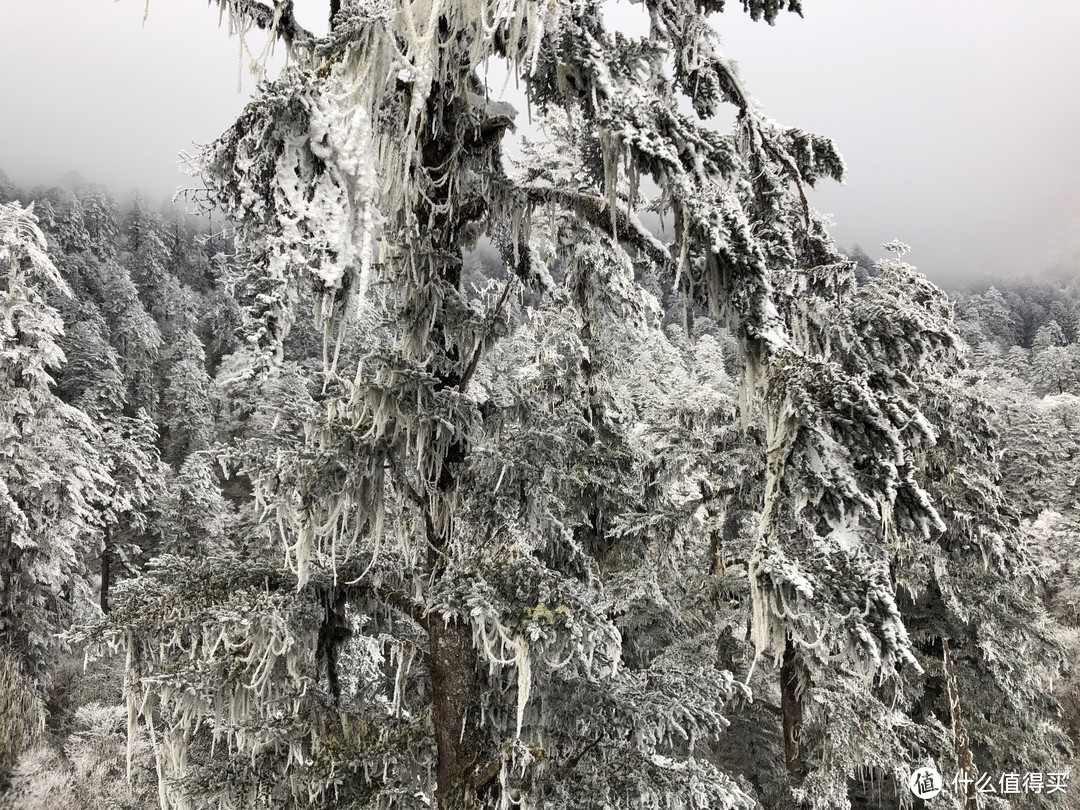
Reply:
x=1050, y=334
x=133, y=333
x=194, y=520
x=187, y=400
x=966, y=591
x=101, y=219
x=148, y=259
x=91, y=378
x=139, y=481
x=51, y=476
x=474, y=523
x=1056, y=369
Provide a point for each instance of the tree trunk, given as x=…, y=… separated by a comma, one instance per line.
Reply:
x=106, y=569
x=965, y=762
x=793, y=679
x=452, y=662
x=455, y=710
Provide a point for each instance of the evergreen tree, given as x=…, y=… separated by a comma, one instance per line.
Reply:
x=488, y=536
x=91, y=379
x=51, y=477
x=175, y=310
x=139, y=481
x=147, y=258
x=195, y=515
x=219, y=327
x=133, y=333
x=1050, y=334
x=989, y=651
x=60, y=213
x=101, y=217
x=1056, y=369
x=990, y=312
x=865, y=267
x=186, y=403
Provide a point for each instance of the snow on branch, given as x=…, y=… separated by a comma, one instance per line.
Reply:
x=277, y=18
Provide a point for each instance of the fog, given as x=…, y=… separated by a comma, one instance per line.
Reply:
x=956, y=119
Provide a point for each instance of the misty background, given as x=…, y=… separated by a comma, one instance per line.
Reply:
x=957, y=120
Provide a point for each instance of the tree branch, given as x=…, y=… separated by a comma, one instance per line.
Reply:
x=793, y=173
x=475, y=359
x=597, y=212
x=401, y=602
x=572, y=763
x=278, y=18
x=486, y=775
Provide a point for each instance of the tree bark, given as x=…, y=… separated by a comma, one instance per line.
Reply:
x=965, y=762
x=455, y=686
x=452, y=662
x=106, y=569
x=793, y=676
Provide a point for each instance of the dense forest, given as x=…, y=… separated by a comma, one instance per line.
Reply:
x=386, y=472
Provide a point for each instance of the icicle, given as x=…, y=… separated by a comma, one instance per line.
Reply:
x=404, y=665
x=524, y=679
x=240, y=64
x=132, y=717
x=610, y=147
x=159, y=764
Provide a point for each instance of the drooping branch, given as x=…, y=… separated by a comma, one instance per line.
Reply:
x=401, y=602
x=598, y=213
x=569, y=766
x=795, y=176
x=278, y=18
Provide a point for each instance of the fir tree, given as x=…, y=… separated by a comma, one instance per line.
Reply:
x=91, y=379
x=133, y=333
x=1050, y=334
x=186, y=403
x=147, y=259
x=1056, y=369
x=195, y=514
x=486, y=532
x=52, y=479
x=101, y=217
x=139, y=480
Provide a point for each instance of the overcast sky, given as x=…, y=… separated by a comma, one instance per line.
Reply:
x=958, y=120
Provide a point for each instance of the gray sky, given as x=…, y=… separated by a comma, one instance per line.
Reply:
x=958, y=119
